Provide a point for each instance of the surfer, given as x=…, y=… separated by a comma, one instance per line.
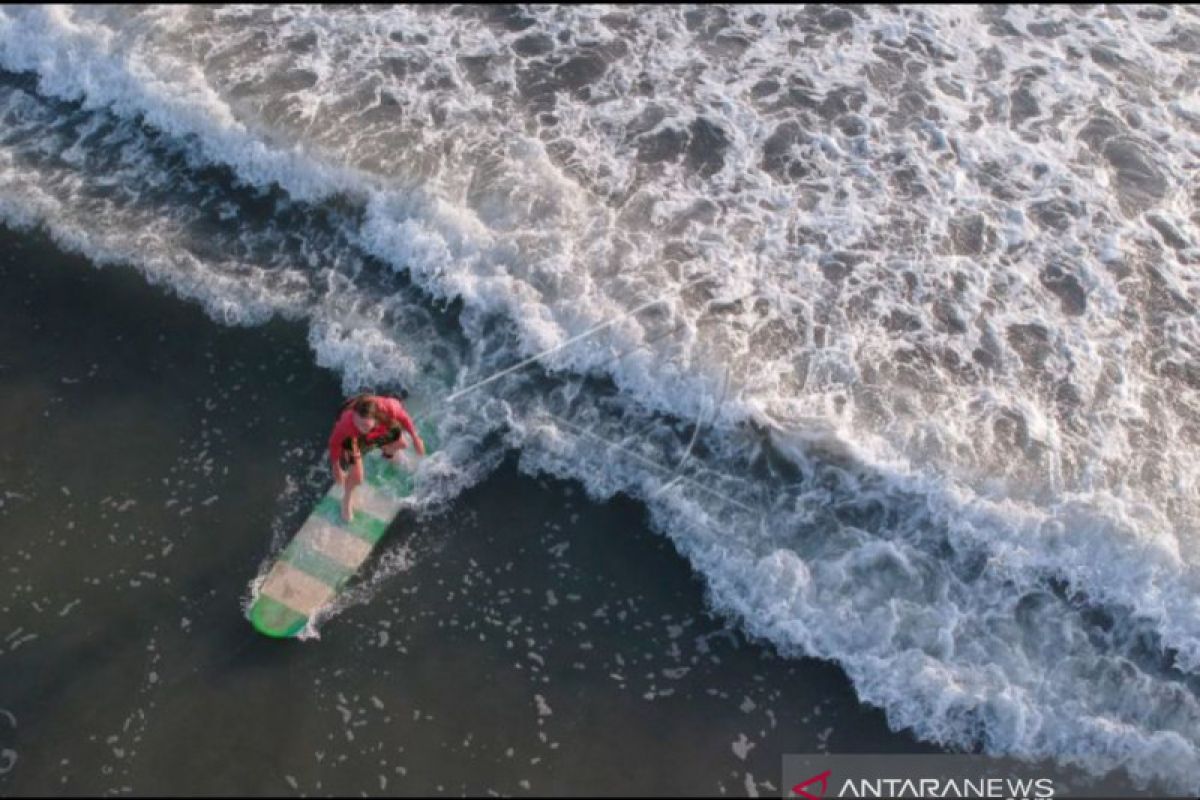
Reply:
x=367, y=421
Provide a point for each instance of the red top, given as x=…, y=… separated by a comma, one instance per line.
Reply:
x=389, y=409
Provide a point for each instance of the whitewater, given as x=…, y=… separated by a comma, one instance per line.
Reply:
x=896, y=308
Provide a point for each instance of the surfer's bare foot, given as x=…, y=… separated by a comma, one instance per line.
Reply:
x=347, y=513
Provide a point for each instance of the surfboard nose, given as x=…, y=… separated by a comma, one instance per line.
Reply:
x=273, y=618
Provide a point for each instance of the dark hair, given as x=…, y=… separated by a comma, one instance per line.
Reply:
x=365, y=407
x=363, y=404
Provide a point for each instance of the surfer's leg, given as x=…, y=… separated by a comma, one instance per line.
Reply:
x=354, y=476
x=394, y=442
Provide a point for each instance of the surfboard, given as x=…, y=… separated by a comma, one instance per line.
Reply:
x=326, y=552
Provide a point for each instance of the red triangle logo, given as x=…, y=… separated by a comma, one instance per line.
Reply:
x=823, y=779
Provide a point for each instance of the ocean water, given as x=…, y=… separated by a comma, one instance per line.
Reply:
x=888, y=316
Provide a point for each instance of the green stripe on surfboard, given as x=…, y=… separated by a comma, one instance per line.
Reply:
x=364, y=526
x=388, y=478
x=273, y=618
x=318, y=565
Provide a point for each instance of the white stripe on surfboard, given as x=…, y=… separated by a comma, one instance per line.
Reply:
x=295, y=589
x=370, y=500
x=324, y=537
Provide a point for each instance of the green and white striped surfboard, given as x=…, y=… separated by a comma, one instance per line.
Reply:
x=326, y=552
